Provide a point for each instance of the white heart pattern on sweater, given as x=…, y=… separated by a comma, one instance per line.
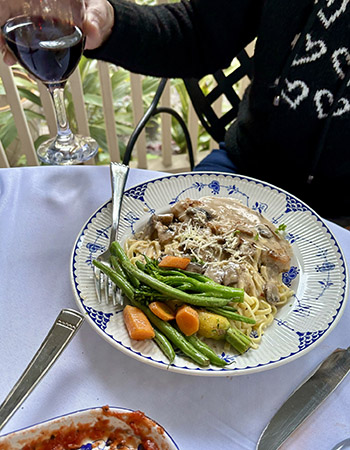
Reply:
x=344, y=104
x=319, y=96
x=314, y=49
x=339, y=63
x=327, y=21
x=344, y=109
x=297, y=90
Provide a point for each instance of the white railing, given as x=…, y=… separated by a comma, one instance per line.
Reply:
x=168, y=161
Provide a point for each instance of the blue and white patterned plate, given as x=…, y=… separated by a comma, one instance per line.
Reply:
x=95, y=425
x=318, y=274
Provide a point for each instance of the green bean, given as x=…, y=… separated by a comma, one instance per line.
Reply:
x=140, y=265
x=200, y=283
x=133, y=280
x=180, y=272
x=168, y=273
x=234, y=294
x=164, y=345
x=148, y=296
x=206, y=350
x=116, y=266
x=237, y=339
x=122, y=283
x=196, y=276
x=185, y=287
x=191, y=299
x=173, y=335
x=231, y=315
x=173, y=281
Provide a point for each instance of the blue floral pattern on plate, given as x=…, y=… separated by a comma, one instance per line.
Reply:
x=66, y=423
x=318, y=274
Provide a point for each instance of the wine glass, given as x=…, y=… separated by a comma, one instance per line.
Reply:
x=47, y=39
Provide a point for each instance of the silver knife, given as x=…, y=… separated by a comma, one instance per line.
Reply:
x=305, y=399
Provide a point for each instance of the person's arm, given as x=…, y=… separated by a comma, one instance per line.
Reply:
x=185, y=39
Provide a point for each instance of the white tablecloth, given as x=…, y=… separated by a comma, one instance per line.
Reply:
x=41, y=213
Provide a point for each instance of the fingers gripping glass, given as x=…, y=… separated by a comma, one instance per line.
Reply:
x=47, y=39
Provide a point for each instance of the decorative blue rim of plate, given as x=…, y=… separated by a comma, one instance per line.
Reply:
x=324, y=263
x=87, y=410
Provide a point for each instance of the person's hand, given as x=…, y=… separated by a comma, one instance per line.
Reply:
x=99, y=21
x=7, y=55
x=97, y=27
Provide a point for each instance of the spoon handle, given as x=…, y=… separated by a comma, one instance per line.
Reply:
x=342, y=445
x=64, y=328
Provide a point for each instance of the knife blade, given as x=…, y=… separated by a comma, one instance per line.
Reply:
x=305, y=399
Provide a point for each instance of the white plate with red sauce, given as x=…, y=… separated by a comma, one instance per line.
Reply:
x=99, y=428
x=318, y=274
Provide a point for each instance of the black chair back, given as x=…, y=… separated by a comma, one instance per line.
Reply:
x=203, y=103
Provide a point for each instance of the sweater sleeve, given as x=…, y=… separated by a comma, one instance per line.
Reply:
x=190, y=38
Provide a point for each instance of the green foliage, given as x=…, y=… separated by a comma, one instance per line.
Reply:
x=121, y=88
x=8, y=130
x=177, y=132
x=31, y=101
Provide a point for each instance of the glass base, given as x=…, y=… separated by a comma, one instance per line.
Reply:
x=77, y=151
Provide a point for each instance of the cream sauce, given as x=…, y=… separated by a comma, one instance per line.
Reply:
x=227, y=214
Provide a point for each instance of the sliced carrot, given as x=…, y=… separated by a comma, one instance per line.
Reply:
x=176, y=262
x=137, y=324
x=162, y=311
x=187, y=320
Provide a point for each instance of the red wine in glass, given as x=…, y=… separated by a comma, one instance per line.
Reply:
x=50, y=49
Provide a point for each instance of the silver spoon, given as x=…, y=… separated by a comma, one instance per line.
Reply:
x=343, y=445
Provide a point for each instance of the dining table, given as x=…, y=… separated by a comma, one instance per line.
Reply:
x=42, y=211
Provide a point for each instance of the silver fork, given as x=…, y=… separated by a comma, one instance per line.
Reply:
x=119, y=173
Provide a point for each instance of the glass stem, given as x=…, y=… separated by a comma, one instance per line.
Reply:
x=64, y=133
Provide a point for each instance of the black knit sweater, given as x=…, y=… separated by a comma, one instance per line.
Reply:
x=293, y=127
